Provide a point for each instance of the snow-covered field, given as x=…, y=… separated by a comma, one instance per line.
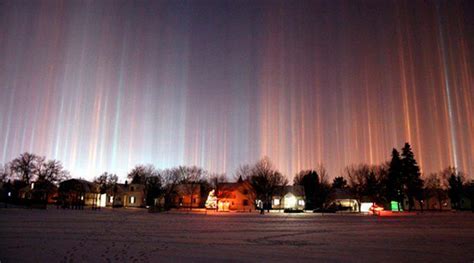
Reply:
x=126, y=235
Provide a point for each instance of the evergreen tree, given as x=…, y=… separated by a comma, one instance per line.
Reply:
x=316, y=189
x=413, y=183
x=395, y=179
x=455, y=189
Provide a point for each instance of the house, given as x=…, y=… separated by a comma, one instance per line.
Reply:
x=77, y=193
x=39, y=192
x=135, y=196
x=126, y=195
x=343, y=200
x=440, y=203
x=188, y=196
x=237, y=196
x=289, y=198
x=11, y=191
x=115, y=195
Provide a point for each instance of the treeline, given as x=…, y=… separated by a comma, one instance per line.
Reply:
x=397, y=180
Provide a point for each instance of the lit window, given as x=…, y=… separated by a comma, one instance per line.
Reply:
x=276, y=201
x=32, y=185
x=82, y=197
x=9, y=194
x=132, y=199
x=111, y=199
x=301, y=202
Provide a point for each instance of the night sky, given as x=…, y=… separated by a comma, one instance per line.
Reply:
x=105, y=85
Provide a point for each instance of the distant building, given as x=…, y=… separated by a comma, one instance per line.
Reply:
x=39, y=192
x=289, y=198
x=237, y=196
x=125, y=195
x=77, y=193
x=188, y=196
x=134, y=196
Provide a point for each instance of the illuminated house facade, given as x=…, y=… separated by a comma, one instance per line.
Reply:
x=289, y=198
x=42, y=192
x=235, y=197
x=125, y=195
x=78, y=193
x=188, y=196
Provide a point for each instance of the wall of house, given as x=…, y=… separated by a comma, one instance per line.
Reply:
x=188, y=201
x=237, y=201
x=282, y=202
x=118, y=202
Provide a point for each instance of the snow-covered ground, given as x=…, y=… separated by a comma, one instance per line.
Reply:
x=126, y=235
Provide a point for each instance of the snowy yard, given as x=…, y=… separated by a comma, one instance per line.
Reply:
x=125, y=235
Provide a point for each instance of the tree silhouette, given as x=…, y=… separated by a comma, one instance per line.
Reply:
x=192, y=178
x=339, y=183
x=455, y=186
x=107, y=182
x=395, y=180
x=367, y=181
x=412, y=176
x=434, y=188
x=4, y=173
x=52, y=171
x=50, y=174
x=27, y=166
x=151, y=178
x=316, y=188
x=266, y=180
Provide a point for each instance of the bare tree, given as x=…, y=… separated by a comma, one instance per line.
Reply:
x=366, y=180
x=323, y=174
x=140, y=172
x=244, y=172
x=192, y=178
x=266, y=180
x=53, y=172
x=434, y=187
x=50, y=174
x=171, y=179
x=5, y=173
x=107, y=182
x=27, y=166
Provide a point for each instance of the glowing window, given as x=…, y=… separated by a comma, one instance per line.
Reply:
x=276, y=201
x=301, y=202
x=111, y=199
x=132, y=199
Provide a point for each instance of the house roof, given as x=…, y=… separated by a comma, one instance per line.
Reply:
x=121, y=188
x=296, y=190
x=78, y=185
x=224, y=189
